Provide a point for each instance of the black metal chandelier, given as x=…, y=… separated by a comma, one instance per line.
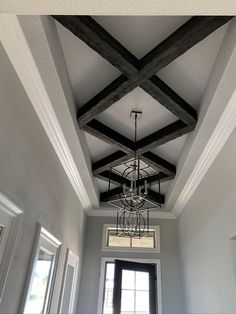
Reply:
x=133, y=200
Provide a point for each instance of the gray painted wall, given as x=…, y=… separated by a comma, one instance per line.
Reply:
x=206, y=228
x=31, y=176
x=172, y=292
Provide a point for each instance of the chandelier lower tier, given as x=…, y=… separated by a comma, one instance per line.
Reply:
x=136, y=181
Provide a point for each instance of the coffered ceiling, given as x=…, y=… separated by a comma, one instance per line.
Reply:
x=177, y=51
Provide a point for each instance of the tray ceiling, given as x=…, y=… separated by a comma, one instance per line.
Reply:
x=187, y=75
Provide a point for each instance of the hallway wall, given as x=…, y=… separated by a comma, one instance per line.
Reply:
x=172, y=292
x=32, y=176
x=207, y=229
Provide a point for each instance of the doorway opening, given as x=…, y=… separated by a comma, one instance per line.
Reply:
x=130, y=286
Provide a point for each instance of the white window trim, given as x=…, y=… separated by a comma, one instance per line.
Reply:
x=104, y=260
x=16, y=213
x=105, y=248
x=41, y=232
x=73, y=260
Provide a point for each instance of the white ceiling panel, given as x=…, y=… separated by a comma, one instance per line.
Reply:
x=89, y=72
x=154, y=115
x=188, y=74
x=140, y=34
x=171, y=151
x=103, y=185
x=98, y=149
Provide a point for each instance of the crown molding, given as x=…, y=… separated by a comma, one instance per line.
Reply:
x=15, y=43
x=217, y=120
x=121, y=7
x=223, y=130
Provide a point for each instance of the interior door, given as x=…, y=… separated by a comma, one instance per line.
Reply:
x=134, y=288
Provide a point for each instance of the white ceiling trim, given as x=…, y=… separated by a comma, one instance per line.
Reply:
x=112, y=213
x=121, y=7
x=16, y=46
x=217, y=120
x=220, y=135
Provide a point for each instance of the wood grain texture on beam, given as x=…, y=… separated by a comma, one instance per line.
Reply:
x=96, y=37
x=169, y=99
x=158, y=163
x=119, y=157
x=110, y=161
x=185, y=37
x=101, y=41
x=113, y=177
x=110, y=136
x=164, y=135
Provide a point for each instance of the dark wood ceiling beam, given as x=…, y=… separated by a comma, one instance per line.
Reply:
x=117, y=179
x=113, y=177
x=119, y=157
x=185, y=37
x=163, y=136
x=158, y=163
x=153, y=179
x=115, y=193
x=97, y=38
x=156, y=197
x=176, y=44
x=103, y=132
x=110, y=161
x=101, y=41
x=170, y=99
x=110, y=195
x=120, y=87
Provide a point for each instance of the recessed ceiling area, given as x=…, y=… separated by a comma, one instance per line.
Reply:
x=185, y=76
x=153, y=114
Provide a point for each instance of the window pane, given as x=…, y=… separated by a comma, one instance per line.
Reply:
x=118, y=241
x=142, y=281
x=128, y=277
x=41, y=279
x=145, y=242
x=142, y=302
x=127, y=301
x=67, y=289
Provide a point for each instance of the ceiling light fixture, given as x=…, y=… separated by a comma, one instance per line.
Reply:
x=134, y=201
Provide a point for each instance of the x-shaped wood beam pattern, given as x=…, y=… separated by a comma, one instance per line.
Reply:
x=140, y=73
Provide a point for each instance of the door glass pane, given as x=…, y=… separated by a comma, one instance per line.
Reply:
x=127, y=301
x=142, y=302
x=128, y=279
x=41, y=279
x=108, y=292
x=142, y=281
x=67, y=289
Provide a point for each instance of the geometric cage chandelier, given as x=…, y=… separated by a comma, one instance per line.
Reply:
x=133, y=202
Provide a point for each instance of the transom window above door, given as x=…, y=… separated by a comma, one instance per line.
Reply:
x=118, y=241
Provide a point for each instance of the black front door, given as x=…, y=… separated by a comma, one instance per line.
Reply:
x=134, y=288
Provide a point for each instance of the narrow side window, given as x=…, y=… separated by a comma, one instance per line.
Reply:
x=42, y=273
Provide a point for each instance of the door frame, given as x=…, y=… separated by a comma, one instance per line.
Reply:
x=104, y=260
